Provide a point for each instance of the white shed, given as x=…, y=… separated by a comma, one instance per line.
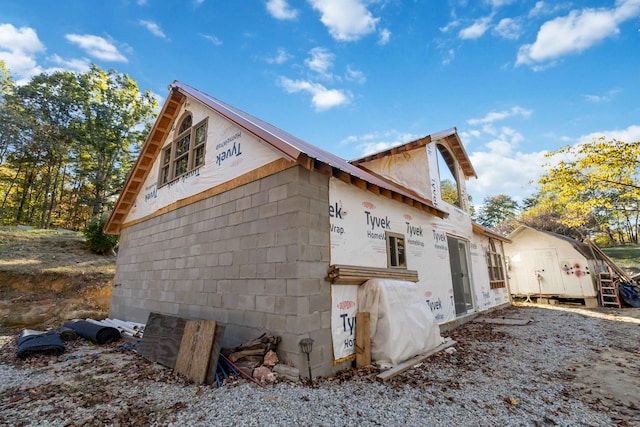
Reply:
x=550, y=265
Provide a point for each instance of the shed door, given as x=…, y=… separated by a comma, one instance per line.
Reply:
x=458, y=259
x=541, y=272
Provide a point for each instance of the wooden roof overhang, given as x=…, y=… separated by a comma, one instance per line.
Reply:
x=450, y=136
x=477, y=228
x=292, y=147
x=142, y=166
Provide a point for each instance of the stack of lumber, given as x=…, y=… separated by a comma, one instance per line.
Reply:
x=353, y=275
x=255, y=357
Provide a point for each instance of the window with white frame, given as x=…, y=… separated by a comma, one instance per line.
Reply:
x=495, y=266
x=186, y=152
x=396, y=257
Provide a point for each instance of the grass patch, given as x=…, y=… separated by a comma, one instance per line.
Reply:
x=33, y=251
x=627, y=257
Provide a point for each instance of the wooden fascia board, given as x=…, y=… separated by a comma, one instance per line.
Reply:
x=144, y=162
x=394, y=150
x=488, y=233
x=461, y=155
x=375, y=189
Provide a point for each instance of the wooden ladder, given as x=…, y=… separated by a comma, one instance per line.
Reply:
x=608, y=293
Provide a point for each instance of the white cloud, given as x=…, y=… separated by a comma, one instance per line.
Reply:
x=378, y=141
x=499, y=3
x=321, y=61
x=630, y=134
x=18, y=49
x=281, y=57
x=347, y=20
x=517, y=170
x=321, y=97
x=80, y=65
x=602, y=98
x=96, y=47
x=22, y=39
x=280, y=9
x=576, y=32
x=450, y=26
x=508, y=28
x=355, y=75
x=385, y=36
x=448, y=56
x=153, y=28
x=213, y=39
x=500, y=115
x=477, y=29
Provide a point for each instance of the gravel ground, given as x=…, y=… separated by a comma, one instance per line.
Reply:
x=569, y=366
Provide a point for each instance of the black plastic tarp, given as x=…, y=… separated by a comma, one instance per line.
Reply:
x=30, y=342
x=92, y=331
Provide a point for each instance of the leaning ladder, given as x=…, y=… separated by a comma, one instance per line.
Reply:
x=608, y=293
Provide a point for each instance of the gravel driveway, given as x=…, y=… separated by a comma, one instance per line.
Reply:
x=569, y=366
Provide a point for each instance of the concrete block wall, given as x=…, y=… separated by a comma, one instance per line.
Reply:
x=254, y=257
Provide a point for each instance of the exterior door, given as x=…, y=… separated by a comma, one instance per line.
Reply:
x=458, y=259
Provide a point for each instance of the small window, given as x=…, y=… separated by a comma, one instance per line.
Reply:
x=495, y=266
x=396, y=257
x=186, y=152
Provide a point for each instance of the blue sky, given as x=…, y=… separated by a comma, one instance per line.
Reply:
x=517, y=78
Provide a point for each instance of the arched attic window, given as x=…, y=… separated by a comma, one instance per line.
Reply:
x=447, y=171
x=186, y=152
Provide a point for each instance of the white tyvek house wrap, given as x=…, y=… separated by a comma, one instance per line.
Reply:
x=403, y=169
x=402, y=325
x=230, y=152
x=485, y=297
x=358, y=221
x=344, y=306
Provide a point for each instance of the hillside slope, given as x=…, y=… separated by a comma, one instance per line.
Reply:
x=47, y=277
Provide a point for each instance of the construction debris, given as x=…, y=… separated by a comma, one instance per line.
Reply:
x=256, y=358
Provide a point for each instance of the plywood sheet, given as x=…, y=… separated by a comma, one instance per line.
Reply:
x=162, y=337
x=195, y=349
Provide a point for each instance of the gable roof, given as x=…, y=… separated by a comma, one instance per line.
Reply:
x=290, y=146
x=449, y=135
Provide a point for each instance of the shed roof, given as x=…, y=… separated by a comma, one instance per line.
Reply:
x=583, y=248
x=291, y=147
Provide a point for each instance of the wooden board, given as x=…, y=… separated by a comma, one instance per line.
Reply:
x=501, y=321
x=195, y=349
x=405, y=366
x=363, y=340
x=161, y=339
x=215, y=353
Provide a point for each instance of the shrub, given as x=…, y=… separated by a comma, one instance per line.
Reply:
x=98, y=241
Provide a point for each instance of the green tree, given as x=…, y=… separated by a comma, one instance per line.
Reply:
x=496, y=209
x=66, y=143
x=596, y=185
x=109, y=131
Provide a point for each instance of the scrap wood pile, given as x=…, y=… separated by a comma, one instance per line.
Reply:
x=256, y=358
x=192, y=348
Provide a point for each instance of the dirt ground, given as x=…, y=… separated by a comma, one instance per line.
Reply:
x=47, y=277
x=616, y=371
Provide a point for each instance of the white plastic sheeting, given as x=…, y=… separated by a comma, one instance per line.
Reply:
x=402, y=325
